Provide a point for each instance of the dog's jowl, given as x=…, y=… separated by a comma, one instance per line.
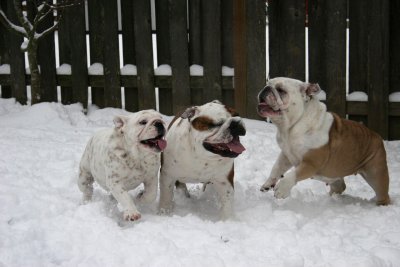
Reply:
x=121, y=158
x=319, y=144
x=202, y=145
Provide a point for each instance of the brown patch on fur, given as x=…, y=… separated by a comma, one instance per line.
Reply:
x=352, y=148
x=203, y=123
x=232, y=111
x=231, y=175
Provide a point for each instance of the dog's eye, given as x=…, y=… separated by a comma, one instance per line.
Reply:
x=281, y=91
x=143, y=122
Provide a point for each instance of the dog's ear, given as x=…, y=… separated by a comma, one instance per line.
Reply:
x=312, y=88
x=189, y=113
x=120, y=121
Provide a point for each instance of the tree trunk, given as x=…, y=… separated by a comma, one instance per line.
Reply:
x=35, y=74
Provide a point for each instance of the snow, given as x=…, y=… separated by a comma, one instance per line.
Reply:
x=129, y=69
x=163, y=70
x=43, y=222
x=64, y=69
x=5, y=69
x=196, y=70
x=227, y=71
x=96, y=69
x=24, y=44
x=28, y=70
x=394, y=97
x=357, y=96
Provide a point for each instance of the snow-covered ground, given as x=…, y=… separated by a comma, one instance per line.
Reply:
x=43, y=223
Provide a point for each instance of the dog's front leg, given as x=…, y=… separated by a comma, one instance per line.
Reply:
x=281, y=165
x=301, y=172
x=150, y=191
x=166, y=194
x=130, y=211
x=225, y=192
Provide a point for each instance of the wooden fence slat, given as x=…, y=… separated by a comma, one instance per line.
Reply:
x=211, y=21
x=195, y=45
x=78, y=54
x=6, y=90
x=249, y=54
x=96, y=39
x=378, y=70
x=72, y=50
x=47, y=62
x=228, y=97
x=64, y=45
x=394, y=82
x=144, y=54
x=112, y=90
x=256, y=54
x=327, y=32
x=163, y=53
x=287, y=46
x=195, y=36
x=17, y=60
x=179, y=54
x=129, y=57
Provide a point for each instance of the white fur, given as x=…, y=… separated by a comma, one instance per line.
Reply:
x=303, y=125
x=116, y=160
x=186, y=160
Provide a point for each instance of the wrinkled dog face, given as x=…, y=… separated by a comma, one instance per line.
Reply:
x=144, y=129
x=216, y=128
x=285, y=97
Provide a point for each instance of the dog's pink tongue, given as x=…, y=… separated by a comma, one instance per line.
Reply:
x=236, y=146
x=162, y=144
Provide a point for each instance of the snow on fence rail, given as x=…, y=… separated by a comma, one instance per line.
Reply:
x=202, y=40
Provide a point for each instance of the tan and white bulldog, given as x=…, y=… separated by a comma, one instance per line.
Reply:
x=202, y=145
x=121, y=158
x=317, y=143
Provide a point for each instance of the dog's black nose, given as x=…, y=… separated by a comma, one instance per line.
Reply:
x=160, y=127
x=263, y=94
x=236, y=128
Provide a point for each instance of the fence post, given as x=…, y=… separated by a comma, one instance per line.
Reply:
x=249, y=54
x=17, y=60
x=47, y=61
x=394, y=82
x=327, y=46
x=211, y=22
x=163, y=52
x=378, y=66
x=287, y=38
x=144, y=54
x=179, y=54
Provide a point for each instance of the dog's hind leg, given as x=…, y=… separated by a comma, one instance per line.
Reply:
x=85, y=184
x=375, y=172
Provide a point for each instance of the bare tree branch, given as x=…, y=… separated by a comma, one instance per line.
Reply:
x=11, y=26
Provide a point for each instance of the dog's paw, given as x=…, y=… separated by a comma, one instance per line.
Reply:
x=283, y=187
x=269, y=184
x=132, y=216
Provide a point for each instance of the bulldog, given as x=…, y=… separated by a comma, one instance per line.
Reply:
x=318, y=143
x=121, y=158
x=202, y=144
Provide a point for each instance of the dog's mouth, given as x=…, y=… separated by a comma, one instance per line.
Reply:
x=229, y=150
x=265, y=110
x=158, y=143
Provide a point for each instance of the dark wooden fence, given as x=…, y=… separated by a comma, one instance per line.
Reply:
x=216, y=33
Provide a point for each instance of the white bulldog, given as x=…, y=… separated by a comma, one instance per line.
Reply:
x=317, y=143
x=202, y=145
x=121, y=158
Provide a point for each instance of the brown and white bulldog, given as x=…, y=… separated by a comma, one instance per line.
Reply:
x=121, y=158
x=202, y=145
x=317, y=143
